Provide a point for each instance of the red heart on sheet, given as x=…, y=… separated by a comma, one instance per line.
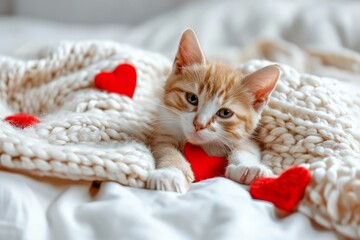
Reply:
x=122, y=80
x=22, y=120
x=284, y=192
x=203, y=165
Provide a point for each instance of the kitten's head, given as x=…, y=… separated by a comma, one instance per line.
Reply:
x=214, y=102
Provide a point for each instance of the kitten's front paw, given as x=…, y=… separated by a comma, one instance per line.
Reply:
x=247, y=174
x=168, y=179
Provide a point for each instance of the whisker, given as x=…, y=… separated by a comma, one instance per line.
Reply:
x=167, y=108
x=165, y=117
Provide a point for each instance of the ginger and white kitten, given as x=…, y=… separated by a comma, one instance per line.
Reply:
x=214, y=106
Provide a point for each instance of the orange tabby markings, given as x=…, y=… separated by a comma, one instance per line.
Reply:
x=215, y=86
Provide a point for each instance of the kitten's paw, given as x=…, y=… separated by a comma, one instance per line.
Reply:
x=247, y=174
x=168, y=179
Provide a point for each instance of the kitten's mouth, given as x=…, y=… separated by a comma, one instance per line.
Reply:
x=196, y=138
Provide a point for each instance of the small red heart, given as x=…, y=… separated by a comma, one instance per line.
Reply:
x=22, y=120
x=122, y=80
x=203, y=165
x=284, y=192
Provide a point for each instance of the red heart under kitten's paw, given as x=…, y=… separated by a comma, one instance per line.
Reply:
x=285, y=191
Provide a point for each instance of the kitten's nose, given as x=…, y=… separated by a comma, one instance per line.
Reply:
x=197, y=125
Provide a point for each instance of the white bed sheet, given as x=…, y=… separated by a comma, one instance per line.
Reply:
x=214, y=209
x=223, y=27
x=43, y=208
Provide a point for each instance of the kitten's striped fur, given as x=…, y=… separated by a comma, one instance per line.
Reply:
x=199, y=96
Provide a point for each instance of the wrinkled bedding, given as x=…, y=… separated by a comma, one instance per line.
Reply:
x=46, y=208
x=213, y=209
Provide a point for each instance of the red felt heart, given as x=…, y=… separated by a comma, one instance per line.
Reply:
x=122, y=80
x=22, y=120
x=284, y=192
x=202, y=165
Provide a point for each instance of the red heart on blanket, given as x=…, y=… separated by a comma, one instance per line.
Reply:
x=122, y=80
x=203, y=165
x=22, y=120
x=284, y=192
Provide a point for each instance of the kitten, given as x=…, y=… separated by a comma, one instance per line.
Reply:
x=213, y=106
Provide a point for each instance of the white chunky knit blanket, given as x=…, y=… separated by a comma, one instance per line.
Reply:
x=84, y=133
x=90, y=134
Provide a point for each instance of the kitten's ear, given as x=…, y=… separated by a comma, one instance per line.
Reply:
x=189, y=51
x=261, y=83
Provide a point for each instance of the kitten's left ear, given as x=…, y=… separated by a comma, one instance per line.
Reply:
x=189, y=51
x=261, y=83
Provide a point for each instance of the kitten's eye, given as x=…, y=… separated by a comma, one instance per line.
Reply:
x=224, y=113
x=192, y=98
